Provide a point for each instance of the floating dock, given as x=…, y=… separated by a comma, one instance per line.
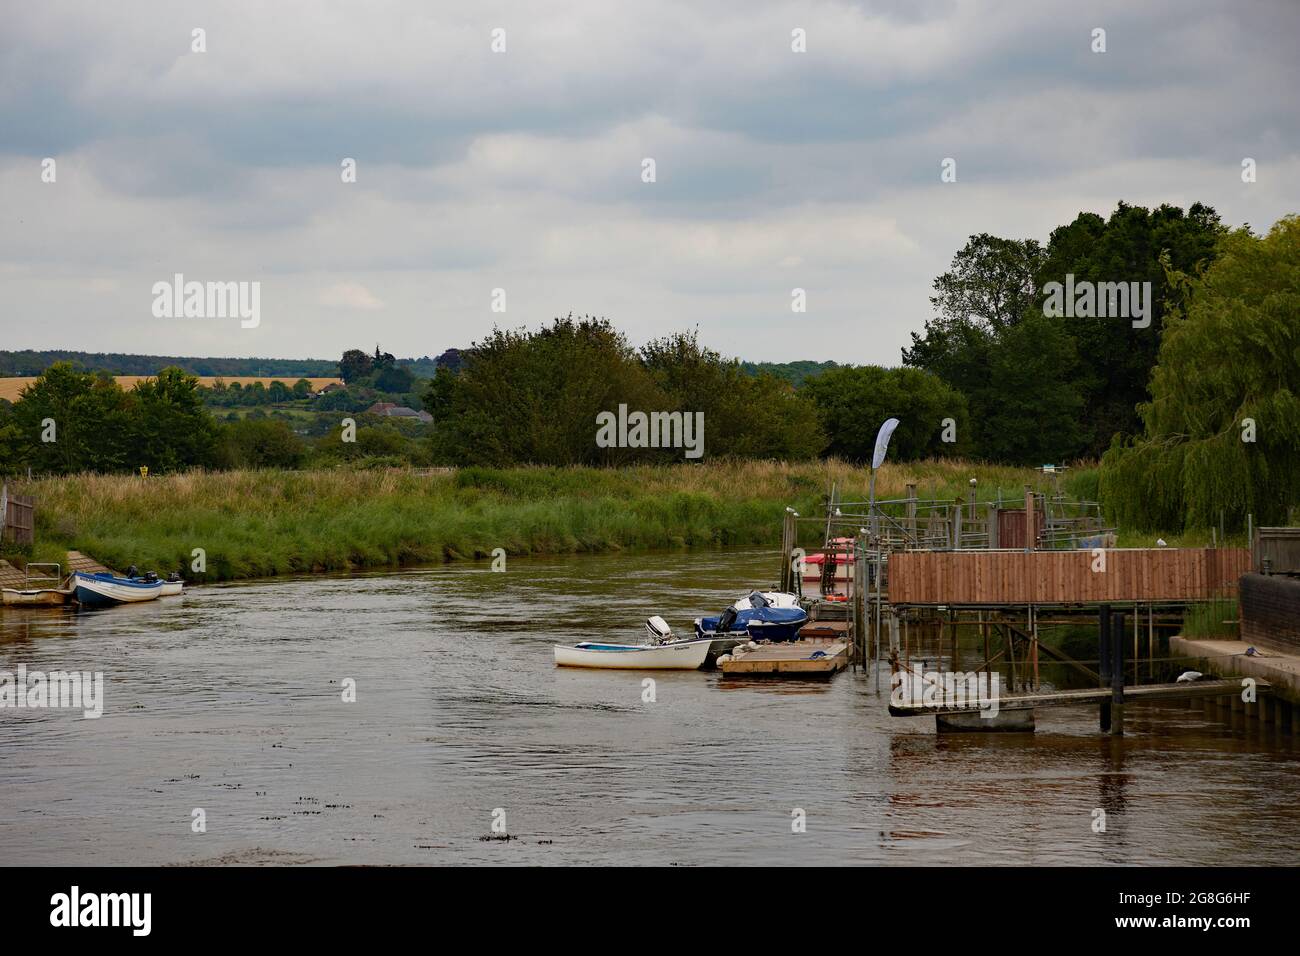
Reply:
x=790, y=659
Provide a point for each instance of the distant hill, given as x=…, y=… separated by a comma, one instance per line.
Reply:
x=792, y=372
x=28, y=362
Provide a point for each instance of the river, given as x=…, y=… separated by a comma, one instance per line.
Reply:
x=229, y=700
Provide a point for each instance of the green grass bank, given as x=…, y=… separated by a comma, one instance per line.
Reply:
x=268, y=522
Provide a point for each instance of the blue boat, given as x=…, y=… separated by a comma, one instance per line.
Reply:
x=102, y=590
x=763, y=615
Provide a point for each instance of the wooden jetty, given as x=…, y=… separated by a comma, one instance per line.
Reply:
x=972, y=579
x=790, y=659
x=1086, y=695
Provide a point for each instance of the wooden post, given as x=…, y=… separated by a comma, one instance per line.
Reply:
x=1117, y=677
x=787, y=549
x=858, y=586
x=956, y=526
x=984, y=627
x=880, y=575
x=1137, y=648
x=910, y=520
x=1010, y=634
x=1104, y=661
x=993, y=526
x=1033, y=643
x=970, y=509
x=956, y=650
x=1031, y=535
x=1151, y=642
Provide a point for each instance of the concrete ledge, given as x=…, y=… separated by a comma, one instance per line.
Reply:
x=1228, y=659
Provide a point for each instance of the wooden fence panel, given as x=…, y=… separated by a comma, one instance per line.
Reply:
x=19, y=519
x=1064, y=577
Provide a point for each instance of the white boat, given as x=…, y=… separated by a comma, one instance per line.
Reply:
x=102, y=589
x=34, y=595
x=172, y=587
x=675, y=655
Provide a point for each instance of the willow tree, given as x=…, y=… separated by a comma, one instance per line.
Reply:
x=1222, y=430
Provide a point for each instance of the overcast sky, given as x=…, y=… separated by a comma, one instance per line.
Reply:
x=522, y=170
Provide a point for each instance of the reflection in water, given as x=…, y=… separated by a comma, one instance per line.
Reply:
x=230, y=699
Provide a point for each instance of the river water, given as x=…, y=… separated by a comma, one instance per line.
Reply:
x=229, y=700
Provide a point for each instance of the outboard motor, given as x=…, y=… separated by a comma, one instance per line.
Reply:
x=727, y=620
x=658, y=629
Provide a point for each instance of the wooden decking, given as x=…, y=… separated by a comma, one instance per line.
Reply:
x=790, y=659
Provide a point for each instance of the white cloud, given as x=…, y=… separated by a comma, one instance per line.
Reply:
x=349, y=295
x=522, y=170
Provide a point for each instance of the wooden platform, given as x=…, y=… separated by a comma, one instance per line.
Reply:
x=790, y=659
x=1090, y=695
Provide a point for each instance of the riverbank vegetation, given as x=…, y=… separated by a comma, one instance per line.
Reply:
x=274, y=521
x=1221, y=433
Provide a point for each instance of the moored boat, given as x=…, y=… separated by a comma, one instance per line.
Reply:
x=173, y=585
x=686, y=655
x=98, y=590
x=34, y=597
x=762, y=616
x=32, y=594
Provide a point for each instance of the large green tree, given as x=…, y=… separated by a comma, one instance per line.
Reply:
x=747, y=415
x=1064, y=388
x=170, y=428
x=1221, y=433
x=1115, y=357
x=70, y=421
x=852, y=402
x=988, y=340
x=532, y=397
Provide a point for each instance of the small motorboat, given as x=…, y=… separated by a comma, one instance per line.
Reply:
x=100, y=590
x=762, y=616
x=662, y=653
x=173, y=585
x=33, y=595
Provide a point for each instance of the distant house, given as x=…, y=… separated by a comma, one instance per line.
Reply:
x=332, y=387
x=393, y=410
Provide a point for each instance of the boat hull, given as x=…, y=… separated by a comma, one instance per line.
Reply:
x=170, y=588
x=34, y=597
x=102, y=590
x=677, y=656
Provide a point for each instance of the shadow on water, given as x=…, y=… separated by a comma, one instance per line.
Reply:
x=229, y=699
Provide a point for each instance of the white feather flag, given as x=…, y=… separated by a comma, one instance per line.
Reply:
x=882, y=442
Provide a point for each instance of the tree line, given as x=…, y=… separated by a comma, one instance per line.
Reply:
x=1193, y=410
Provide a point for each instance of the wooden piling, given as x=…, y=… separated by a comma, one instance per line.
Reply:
x=1103, y=644
x=1117, y=676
